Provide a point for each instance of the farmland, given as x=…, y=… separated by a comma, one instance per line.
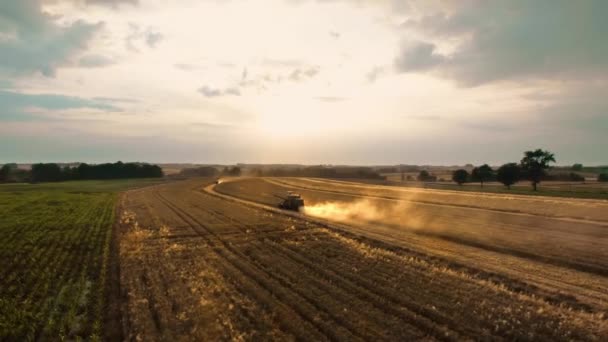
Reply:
x=206, y=262
x=54, y=247
x=191, y=260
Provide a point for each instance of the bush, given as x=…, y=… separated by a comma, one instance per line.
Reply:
x=460, y=176
x=602, y=177
x=575, y=177
x=508, y=174
x=482, y=174
x=565, y=177
x=425, y=176
x=203, y=171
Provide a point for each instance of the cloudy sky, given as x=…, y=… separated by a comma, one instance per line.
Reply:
x=303, y=81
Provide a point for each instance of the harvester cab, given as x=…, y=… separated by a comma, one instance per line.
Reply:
x=293, y=201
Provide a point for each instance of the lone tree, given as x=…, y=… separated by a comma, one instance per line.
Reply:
x=482, y=173
x=460, y=176
x=534, y=164
x=425, y=176
x=508, y=174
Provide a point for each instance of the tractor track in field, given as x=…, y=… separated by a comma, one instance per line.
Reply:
x=551, y=283
x=416, y=316
x=243, y=271
x=591, y=268
x=200, y=265
x=442, y=205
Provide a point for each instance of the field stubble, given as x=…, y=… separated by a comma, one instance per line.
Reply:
x=198, y=266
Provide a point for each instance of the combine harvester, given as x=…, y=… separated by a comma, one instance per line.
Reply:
x=293, y=201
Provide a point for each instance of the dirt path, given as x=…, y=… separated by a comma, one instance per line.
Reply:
x=195, y=266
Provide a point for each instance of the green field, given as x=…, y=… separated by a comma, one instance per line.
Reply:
x=54, y=246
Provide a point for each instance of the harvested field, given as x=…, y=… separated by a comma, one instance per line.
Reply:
x=199, y=265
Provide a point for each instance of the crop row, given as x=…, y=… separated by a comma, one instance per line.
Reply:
x=53, y=245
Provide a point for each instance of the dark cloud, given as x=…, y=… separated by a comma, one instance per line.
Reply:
x=217, y=92
x=417, y=56
x=148, y=36
x=14, y=106
x=262, y=81
x=35, y=42
x=94, y=61
x=376, y=72
x=299, y=74
x=507, y=40
x=153, y=38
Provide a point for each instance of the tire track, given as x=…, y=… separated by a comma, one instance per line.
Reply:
x=325, y=329
x=436, y=204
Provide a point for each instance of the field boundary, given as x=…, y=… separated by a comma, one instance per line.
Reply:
x=431, y=203
x=113, y=315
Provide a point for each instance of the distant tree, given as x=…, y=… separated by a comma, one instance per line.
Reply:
x=575, y=177
x=232, y=171
x=577, y=167
x=482, y=174
x=53, y=173
x=460, y=176
x=49, y=172
x=7, y=172
x=425, y=176
x=236, y=171
x=534, y=164
x=402, y=176
x=602, y=177
x=4, y=173
x=508, y=174
x=202, y=171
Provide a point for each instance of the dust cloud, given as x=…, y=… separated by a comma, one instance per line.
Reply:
x=393, y=213
x=345, y=211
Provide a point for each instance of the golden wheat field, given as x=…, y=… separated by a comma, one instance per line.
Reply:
x=360, y=262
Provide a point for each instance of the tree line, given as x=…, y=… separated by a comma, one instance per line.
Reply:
x=533, y=167
x=320, y=172
x=210, y=171
x=52, y=172
x=310, y=171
